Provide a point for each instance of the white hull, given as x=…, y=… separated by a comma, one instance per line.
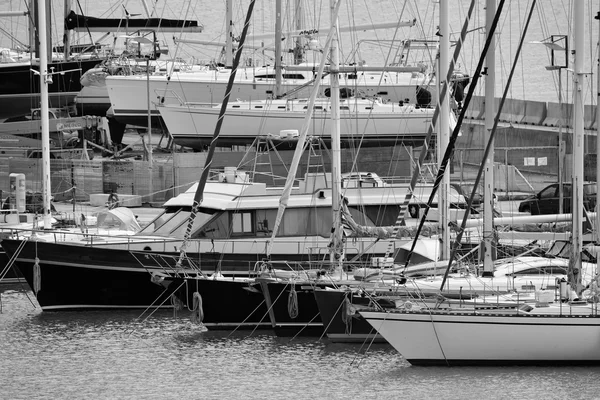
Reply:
x=425, y=338
x=194, y=126
x=129, y=98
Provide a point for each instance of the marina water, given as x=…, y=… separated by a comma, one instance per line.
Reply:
x=126, y=355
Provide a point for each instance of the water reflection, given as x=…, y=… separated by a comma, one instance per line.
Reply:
x=119, y=355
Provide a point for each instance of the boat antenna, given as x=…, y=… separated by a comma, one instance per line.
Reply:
x=488, y=148
x=199, y=195
x=455, y=132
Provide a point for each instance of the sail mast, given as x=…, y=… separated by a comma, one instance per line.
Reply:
x=44, y=80
x=229, y=40
x=578, y=144
x=278, y=56
x=66, y=34
x=597, y=222
x=444, y=125
x=337, y=244
x=488, y=174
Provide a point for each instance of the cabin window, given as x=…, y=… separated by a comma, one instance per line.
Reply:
x=235, y=106
x=258, y=106
x=344, y=108
x=549, y=269
x=281, y=107
x=293, y=76
x=295, y=222
x=241, y=223
x=217, y=228
x=173, y=223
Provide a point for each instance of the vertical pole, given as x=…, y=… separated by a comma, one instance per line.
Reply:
x=560, y=147
x=444, y=126
x=148, y=144
x=488, y=175
x=278, y=56
x=337, y=247
x=229, y=40
x=597, y=227
x=298, y=50
x=578, y=144
x=66, y=34
x=43, y=57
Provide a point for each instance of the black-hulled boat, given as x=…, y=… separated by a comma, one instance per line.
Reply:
x=341, y=322
x=224, y=303
x=65, y=279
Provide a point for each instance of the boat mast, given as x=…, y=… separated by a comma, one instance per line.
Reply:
x=298, y=49
x=44, y=80
x=66, y=34
x=488, y=174
x=337, y=244
x=278, y=57
x=444, y=125
x=229, y=40
x=578, y=145
x=597, y=230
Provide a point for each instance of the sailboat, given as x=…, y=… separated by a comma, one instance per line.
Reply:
x=366, y=121
x=541, y=332
x=129, y=98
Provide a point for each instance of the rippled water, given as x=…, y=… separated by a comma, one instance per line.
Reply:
x=117, y=355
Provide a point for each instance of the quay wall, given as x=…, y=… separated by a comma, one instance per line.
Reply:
x=539, y=113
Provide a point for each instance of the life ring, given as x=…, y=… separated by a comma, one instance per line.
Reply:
x=113, y=201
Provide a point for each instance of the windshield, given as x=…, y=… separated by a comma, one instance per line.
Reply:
x=173, y=223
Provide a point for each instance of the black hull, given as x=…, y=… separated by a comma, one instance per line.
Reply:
x=142, y=120
x=201, y=142
x=308, y=320
x=117, y=272
x=226, y=304
x=20, y=87
x=69, y=282
x=340, y=326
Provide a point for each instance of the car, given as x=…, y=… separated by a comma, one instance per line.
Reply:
x=548, y=199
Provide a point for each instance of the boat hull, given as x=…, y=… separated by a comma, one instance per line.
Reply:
x=341, y=325
x=69, y=282
x=129, y=94
x=439, y=338
x=64, y=265
x=293, y=310
x=226, y=304
x=194, y=126
x=21, y=93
